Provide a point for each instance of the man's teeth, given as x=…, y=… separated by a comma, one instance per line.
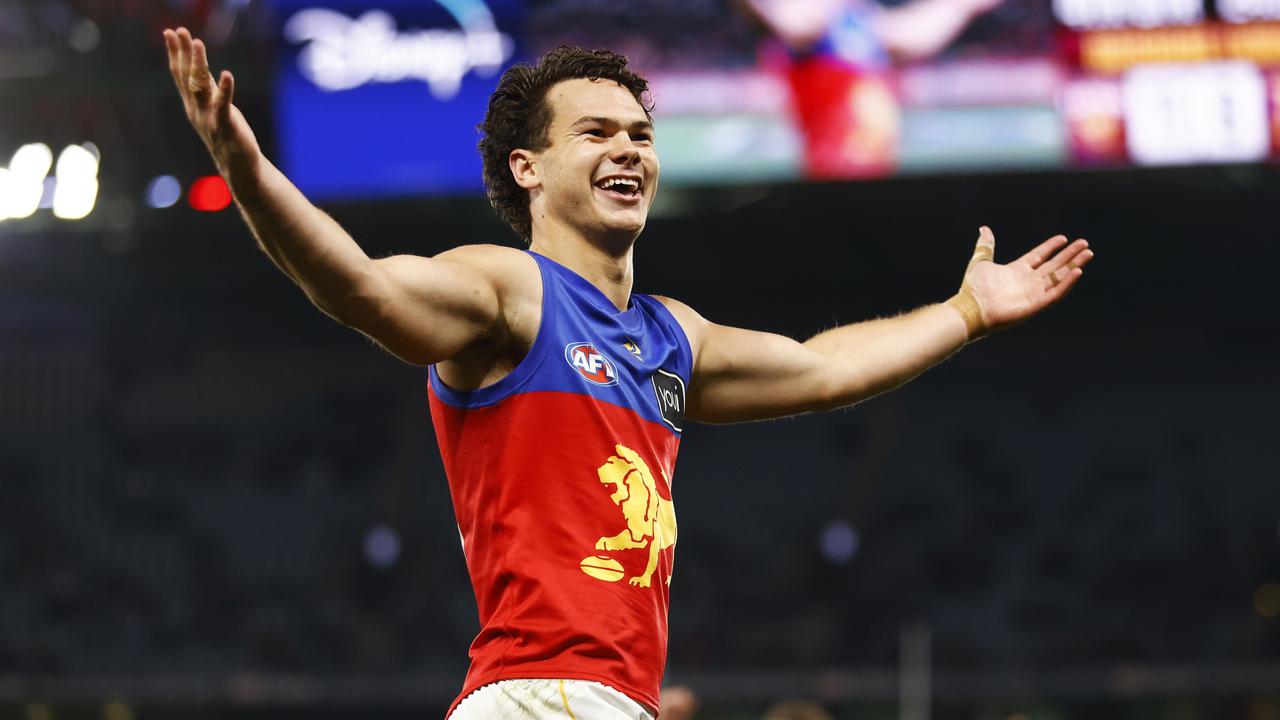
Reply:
x=620, y=184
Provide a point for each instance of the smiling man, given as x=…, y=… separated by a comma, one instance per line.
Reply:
x=558, y=395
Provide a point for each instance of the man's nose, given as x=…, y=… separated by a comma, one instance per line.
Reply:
x=624, y=151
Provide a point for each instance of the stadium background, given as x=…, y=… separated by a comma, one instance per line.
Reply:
x=219, y=503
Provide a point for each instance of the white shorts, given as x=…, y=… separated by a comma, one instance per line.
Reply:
x=548, y=699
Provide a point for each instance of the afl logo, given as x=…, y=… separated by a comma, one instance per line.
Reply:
x=591, y=363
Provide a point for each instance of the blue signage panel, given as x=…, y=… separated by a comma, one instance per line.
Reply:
x=382, y=98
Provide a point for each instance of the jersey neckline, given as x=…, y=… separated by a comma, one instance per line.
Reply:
x=597, y=296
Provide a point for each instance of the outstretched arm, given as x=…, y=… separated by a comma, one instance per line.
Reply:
x=916, y=30
x=746, y=375
x=920, y=29
x=421, y=309
x=798, y=23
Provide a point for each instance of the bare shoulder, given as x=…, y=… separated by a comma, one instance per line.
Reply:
x=515, y=277
x=472, y=296
x=483, y=254
x=504, y=266
x=509, y=272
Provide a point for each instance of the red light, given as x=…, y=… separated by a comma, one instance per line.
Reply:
x=209, y=194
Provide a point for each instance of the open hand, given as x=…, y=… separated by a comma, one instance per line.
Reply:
x=209, y=105
x=1009, y=294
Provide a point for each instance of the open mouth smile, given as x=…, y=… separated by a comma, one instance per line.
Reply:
x=626, y=189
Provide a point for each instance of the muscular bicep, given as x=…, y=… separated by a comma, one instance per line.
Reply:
x=424, y=310
x=749, y=375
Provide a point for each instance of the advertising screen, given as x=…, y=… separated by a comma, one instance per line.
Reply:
x=378, y=98
x=382, y=99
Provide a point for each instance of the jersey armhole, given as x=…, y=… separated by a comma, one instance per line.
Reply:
x=682, y=338
x=519, y=375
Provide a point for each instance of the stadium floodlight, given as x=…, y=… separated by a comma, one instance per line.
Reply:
x=23, y=181
x=77, y=188
x=32, y=160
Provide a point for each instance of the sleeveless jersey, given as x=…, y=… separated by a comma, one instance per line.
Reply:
x=560, y=475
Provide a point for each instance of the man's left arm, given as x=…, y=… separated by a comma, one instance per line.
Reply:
x=743, y=375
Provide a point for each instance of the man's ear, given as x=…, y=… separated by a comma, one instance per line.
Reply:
x=524, y=168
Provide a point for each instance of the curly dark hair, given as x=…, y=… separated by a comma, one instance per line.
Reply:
x=519, y=117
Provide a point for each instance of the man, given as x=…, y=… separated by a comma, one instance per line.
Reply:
x=559, y=396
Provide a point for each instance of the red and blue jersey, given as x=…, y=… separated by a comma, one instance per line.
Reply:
x=560, y=474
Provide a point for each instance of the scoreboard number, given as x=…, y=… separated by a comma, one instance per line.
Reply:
x=1209, y=112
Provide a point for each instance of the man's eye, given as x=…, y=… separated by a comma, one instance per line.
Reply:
x=644, y=137
x=596, y=132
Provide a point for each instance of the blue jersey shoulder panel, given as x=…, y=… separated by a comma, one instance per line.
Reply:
x=638, y=358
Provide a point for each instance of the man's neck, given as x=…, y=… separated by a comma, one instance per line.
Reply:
x=610, y=271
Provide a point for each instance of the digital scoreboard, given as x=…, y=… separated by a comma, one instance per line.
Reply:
x=1160, y=82
x=380, y=98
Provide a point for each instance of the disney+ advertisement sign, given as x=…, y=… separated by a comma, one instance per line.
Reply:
x=377, y=99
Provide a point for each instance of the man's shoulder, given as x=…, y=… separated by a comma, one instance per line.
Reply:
x=693, y=324
x=487, y=257
x=679, y=309
x=505, y=267
x=514, y=277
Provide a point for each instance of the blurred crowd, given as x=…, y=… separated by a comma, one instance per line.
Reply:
x=187, y=485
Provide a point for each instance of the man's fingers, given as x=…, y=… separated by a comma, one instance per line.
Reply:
x=1044, y=250
x=200, y=80
x=190, y=62
x=184, y=55
x=986, y=238
x=985, y=249
x=1066, y=280
x=226, y=95
x=171, y=49
x=199, y=58
x=1061, y=278
x=1074, y=256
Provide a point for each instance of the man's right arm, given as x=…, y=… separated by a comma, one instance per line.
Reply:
x=423, y=310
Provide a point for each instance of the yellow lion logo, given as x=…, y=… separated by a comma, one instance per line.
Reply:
x=651, y=520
